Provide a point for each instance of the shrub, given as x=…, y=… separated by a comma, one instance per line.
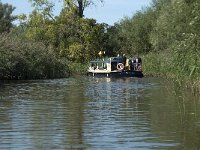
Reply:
x=28, y=60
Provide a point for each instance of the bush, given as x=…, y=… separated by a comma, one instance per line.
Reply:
x=78, y=68
x=20, y=59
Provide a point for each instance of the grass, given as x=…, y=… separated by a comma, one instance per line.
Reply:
x=164, y=64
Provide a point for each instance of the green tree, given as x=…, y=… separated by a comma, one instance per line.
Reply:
x=74, y=6
x=79, y=34
x=6, y=17
x=113, y=44
x=133, y=34
x=44, y=7
x=67, y=33
x=78, y=6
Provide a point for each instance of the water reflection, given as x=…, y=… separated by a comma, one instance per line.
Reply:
x=123, y=103
x=42, y=114
x=98, y=113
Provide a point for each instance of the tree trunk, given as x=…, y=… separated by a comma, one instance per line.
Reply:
x=80, y=8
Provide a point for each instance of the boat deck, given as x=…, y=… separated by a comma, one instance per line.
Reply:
x=116, y=73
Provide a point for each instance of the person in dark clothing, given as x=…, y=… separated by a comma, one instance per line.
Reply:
x=137, y=64
x=124, y=60
x=130, y=63
x=139, y=60
x=118, y=58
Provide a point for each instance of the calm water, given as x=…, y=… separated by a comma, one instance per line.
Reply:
x=86, y=113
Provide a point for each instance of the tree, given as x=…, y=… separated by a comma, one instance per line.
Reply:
x=75, y=6
x=174, y=20
x=131, y=35
x=71, y=36
x=78, y=5
x=45, y=7
x=80, y=39
x=6, y=17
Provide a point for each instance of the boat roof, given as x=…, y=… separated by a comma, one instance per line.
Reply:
x=100, y=61
x=113, y=59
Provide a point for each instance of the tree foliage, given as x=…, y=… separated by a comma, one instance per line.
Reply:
x=78, y=6
x=72, y=6
x=75, y=38
x=24, y=59
x=171, y=29
x=132, y=35
x=44, y=7
x=6, y=17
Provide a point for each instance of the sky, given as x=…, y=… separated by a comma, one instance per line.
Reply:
x=110, y=11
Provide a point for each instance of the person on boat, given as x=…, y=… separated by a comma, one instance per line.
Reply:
x=131, y=64
x=118, y=58
x=137, y=64
x=100, y=54
x=124, y=60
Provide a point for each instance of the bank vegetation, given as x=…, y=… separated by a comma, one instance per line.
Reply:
x=165, y=34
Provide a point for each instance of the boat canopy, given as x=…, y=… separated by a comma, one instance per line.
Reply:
x=100, y=61
x=112, y=59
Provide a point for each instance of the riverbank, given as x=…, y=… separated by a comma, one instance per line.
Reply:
x=78, y=68
x=164, y=65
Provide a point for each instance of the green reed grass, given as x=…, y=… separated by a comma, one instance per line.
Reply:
x=184, y=72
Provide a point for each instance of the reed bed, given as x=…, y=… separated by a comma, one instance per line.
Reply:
x=165, y=64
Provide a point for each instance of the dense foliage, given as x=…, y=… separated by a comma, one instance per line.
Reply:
x=168, y=35
x=44, y=45
x=6, y=17
x=70, y=35
x=22, y=59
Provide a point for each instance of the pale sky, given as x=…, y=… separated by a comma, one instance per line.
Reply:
x=109, y=12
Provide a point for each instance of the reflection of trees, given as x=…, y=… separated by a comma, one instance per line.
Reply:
x=67, y=114
x=165, y=119
x=174, y=116
x=110, y=94
x=189, y=120
x=115, y=105
x=75, y=113
x=5, y=119
x=48, y=114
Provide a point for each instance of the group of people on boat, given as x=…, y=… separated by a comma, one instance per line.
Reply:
x=133, y=64
x=122, y=63
x=116, y=66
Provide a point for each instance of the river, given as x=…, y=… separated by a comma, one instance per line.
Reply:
x=87, y=113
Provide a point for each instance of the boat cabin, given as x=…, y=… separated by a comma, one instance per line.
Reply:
x=114, y=65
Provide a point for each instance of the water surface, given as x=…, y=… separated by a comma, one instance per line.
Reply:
x=98, y=114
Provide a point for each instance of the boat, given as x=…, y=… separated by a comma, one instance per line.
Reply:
x=115, y=67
